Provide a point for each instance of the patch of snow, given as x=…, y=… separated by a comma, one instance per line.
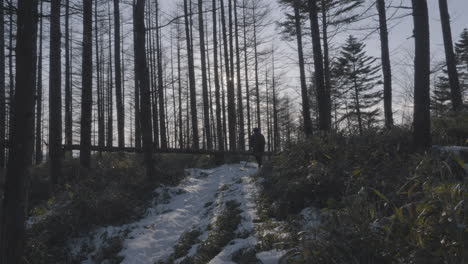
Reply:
x=181, y=209
x=271, y=257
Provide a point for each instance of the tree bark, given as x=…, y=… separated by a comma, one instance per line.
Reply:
x=206, y=107
x=193, y=95
x=386, y=66
x=15, y=203
x=162, y=116
x=219, y=126
x=455, y=92
x=99, y=86
x=422, y=118
x=246, y=68
x=240, y=112
x=87, y=84
x=2, y=86
x=110, y=86
x=118, y=77
x=68, y=83
x=304, y=93
x=143, y=83
x=55, y=94
x=323, y=95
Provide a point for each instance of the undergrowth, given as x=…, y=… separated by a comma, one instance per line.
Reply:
x=114, y=192
x=380, y=201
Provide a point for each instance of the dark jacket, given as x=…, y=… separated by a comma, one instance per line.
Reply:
x=257, y=143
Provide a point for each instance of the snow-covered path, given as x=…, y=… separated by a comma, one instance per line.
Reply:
x=193, y=205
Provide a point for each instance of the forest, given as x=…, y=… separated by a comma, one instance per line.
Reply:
x=233, y=131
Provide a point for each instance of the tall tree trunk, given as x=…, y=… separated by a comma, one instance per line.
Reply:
x=143, y=83
x=118, y=77
x=68, y=83
x=15, y=203
x=275, y=105
x=386, y=66
x=326, y=57
x=87, y=84
x=206, y=107
x=229, y=81
x=179, y=83
x=110, y=86
x=305, y=97
x=193, y=95
x=422, y=118
x=455, y=92
x=240, y=107
x=323, y=95
x=2, y=85
x=55, y=94
x=99, y=86
x=11, y=92
x=136, y=90
x=38, y=124
x=219, y=126
x=246, y=68
x=257, y=88
x=151, y=56
x=162, y=116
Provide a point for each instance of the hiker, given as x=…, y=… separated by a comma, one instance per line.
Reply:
x=257, y=145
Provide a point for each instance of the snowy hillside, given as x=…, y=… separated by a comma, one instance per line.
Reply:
x=210, y=217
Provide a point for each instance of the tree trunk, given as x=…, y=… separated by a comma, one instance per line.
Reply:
x=193, y=95
x=99, y=86
x=162, y=116
x=246, y=69
x=240, y=107
x=455, y=92
x=143, y=81
x=326, y=57
x=229, y=64
x=110, y=86
x=68, y=83
x=55, y=94
x=323, y=95
x=136, y=90
x=305, y=98
x=15, y=203
x=422, y=118
x=386, y=66
x=206, y=108
x=275, y=105
x=219, y=126
x=87, y=84
x=179, y=82
x=118, y=77
x=257, y=88
x=2, y=85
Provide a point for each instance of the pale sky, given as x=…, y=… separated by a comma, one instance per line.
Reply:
x=401, y=42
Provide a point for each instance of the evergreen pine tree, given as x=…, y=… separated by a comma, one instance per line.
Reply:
x=440, y=98
x=358, y=84
x=461, y=53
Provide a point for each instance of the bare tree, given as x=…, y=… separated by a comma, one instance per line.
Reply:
x=2, y=86
x=422, y=118
x=118, y=77
x=15, y=203
x=143, y=84
x=87, y=84
x=386, y=66
x=304, y=93
x=193, y=99
x=55, y=94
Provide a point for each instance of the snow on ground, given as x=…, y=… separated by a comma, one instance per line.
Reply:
x=194, y=204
